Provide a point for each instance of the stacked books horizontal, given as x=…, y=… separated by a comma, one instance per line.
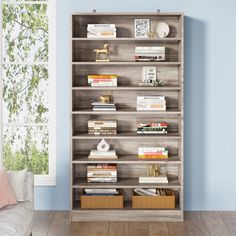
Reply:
x=96, y=154
x=102, y=127
x=160, y=179
x=151, y=103
x=101, y=31
x=100, y=192
x=152, y=128
x=149, y=53
x=102, y=173
x=101, y=106
x=102, y=80
x=152, y=152
x=150, y=192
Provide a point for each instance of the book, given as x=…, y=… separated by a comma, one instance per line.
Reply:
x=157, y=103
x=103, y=153
x=101, y=191
x=161, y=179
x=145, y=192
x=152, y=128
x=152, y=152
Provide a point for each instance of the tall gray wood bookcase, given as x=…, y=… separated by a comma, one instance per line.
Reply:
x=126, y=142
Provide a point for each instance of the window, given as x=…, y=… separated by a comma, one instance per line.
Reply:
x=28, y=87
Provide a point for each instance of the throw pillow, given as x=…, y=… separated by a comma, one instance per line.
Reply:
x=7, y=196
x=17, y=179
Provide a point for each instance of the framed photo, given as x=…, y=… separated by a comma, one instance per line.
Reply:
x=149, y=75
x=141, y=28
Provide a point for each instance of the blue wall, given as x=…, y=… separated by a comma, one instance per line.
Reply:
x=210, y=37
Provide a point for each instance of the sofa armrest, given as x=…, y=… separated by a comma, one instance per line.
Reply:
x=29, y=187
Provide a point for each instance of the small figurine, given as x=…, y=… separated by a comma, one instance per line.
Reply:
x=105, y=99
x=152, y=34
x=158, y=83
x=153, y=170
x=103, y=146
x=105, y=50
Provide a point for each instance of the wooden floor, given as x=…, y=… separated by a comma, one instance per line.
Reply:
x=196, y=223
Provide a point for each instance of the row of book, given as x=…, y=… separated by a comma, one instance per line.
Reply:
x=152, y=127
x=149, y=53
x=102, y=127
x=151, y=103
x=100, y=192
x=101, y=31
x=104, y=80
x=105, y=173
x=150, y=192
x=152, y=152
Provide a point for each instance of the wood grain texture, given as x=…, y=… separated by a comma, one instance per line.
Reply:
x=126, y=142
x=195, y=224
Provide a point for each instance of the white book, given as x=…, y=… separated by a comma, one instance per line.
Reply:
x=161, y=179
x=114, y=191
x=101, y=25
x=103, y=153
x=102, y=104
x=103, y=157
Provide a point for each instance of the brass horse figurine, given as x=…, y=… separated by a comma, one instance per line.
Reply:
x=104, y=50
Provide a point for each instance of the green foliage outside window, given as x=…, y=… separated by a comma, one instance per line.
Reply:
x=25, y=87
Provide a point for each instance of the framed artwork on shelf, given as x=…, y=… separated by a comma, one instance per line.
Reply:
x=141, y=28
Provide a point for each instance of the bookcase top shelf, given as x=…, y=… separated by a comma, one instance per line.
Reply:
x=129, y=14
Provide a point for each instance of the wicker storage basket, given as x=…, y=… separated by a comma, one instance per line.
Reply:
x=102, y=201
x=161, y=202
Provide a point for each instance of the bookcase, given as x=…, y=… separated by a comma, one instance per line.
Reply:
x=126, y=142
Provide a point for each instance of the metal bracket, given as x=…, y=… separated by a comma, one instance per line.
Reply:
x=94, y=10
x=158, y=11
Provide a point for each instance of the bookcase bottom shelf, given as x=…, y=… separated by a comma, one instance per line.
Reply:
x=151, y=215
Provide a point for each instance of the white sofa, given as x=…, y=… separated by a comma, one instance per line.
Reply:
x=17, y=220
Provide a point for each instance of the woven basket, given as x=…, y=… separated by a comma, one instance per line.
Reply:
x=161, y=202
x=102, y=201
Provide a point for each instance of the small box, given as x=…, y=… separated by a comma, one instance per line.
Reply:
x=105, y=202
x=154, y=202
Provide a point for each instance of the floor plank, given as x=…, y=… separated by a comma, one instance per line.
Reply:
x=52, y=223
x=118, y=229
x=215, y=223
x=158, y=228
x=138, y=229
x=229, y=218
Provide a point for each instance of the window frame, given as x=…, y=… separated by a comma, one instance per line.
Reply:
x=50, y=179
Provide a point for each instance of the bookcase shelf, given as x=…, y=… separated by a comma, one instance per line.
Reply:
x=127, y=141
x=127, y=88
x=125, y=159
x=126, y=183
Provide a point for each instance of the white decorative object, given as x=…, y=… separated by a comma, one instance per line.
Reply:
x=149, y=75
x=142, y=28
x=103, y=146
x=162, y=30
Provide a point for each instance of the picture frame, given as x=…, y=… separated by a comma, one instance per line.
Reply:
x=149, y=75
x=141, y=28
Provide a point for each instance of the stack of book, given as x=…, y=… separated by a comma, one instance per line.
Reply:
x=101, y=106
x=102, y=127
x=152, y=127
x=160, y=179
x=102, y=80
x=101, y=31
x=100, y=192
x=149, y=53
x=151, y=103
x=96, y=154
x=152, y=152
x=102, y=173
x=150, y=192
